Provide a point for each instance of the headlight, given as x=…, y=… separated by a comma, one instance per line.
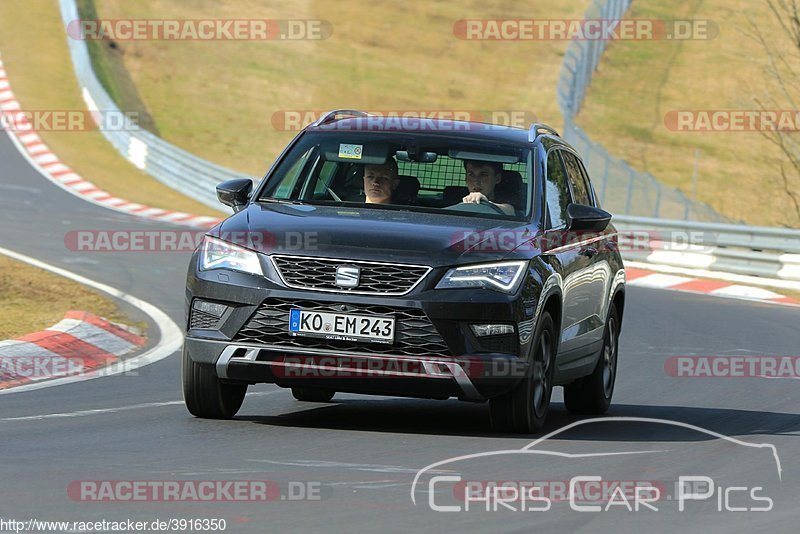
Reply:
x=218, y=254
x=504, y=276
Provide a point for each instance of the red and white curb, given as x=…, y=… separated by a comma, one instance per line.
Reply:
x=79, y=344
x=51, y=167
x=168, y=334
x=719, y=288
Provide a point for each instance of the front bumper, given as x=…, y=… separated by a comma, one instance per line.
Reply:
x=468, y=368
x=468, y=377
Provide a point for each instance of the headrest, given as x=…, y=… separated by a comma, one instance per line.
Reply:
x=510, y=190
x=406, y=190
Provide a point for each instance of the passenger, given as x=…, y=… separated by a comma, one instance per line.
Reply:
x=482, y=177
x=380, y=181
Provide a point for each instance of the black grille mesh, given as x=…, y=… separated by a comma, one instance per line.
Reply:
x=313, y=273
x=200, y=319
x=506, y=343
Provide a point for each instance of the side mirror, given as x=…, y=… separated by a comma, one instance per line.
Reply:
x=235, y=193
x=587, y=218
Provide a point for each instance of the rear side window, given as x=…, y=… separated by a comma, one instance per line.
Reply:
x=556, y=191
x=580, y=191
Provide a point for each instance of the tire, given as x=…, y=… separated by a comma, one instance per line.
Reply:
x=592, y=394
x=313, y=394
x=205, y=395
x=525, y=408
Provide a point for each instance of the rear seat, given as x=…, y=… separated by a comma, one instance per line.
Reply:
x=509, y=190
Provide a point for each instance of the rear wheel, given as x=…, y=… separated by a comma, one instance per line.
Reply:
x=205, y=395
x=313, y=394
x=524, y=409
x=592, y=394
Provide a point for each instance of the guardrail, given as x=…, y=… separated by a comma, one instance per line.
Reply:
x=621, y=188
x=173, y=166
x=748, y=250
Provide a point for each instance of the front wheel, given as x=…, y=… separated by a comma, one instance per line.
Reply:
x=524, y=409
x=592, y=394
x=205, y=395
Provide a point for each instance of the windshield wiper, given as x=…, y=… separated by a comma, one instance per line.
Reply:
x=282, y=200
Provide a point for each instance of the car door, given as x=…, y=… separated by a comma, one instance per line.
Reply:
x=594, y=249
x=565, y=255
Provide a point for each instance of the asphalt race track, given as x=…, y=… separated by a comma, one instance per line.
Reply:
x=351, y=463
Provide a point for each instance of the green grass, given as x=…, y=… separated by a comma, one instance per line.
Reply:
x=34, y=299
x=100, y=61
x=217, y=99
x=110, y=71
x=640, y=81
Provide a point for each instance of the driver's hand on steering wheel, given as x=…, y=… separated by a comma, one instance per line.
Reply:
x=474, y=198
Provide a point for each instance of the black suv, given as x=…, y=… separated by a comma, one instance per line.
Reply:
x=486, y=272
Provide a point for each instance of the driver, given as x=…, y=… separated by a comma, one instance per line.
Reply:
x=380, y=181
x=482, y=177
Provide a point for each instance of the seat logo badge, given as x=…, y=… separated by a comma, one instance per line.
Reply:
x=347, y=276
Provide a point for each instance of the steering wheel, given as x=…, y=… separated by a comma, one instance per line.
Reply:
x=494, y=206
x=483, y=207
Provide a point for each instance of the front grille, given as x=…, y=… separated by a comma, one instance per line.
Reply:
x=375, y=278
x=415, y=335
x=200, y=319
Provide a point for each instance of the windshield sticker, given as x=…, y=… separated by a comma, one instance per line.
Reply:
x=350, y=151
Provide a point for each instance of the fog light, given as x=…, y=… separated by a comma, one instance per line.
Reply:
x=211, y=308
x=482, y=330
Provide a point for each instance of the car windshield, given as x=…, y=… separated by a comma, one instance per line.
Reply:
x=402, y=171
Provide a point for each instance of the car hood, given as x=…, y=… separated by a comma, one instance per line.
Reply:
x=374, y=234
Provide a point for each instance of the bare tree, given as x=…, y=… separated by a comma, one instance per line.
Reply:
x=783, y=90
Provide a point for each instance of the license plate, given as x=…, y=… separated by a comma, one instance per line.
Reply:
x=341, y=326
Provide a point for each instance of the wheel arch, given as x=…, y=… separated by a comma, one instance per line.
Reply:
x=554, y=305
x=618, y=300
